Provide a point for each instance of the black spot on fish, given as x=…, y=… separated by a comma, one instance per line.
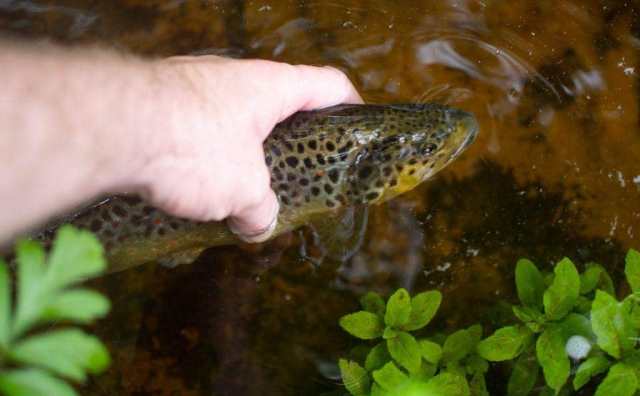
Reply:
x=320, y=159
x=285, y=200
x=278, y=174
x=288, y=145
x=371, y=196
x=331, y=160
x=300, y=148
x=315, y=191
x=282, y=165
x=328, y=188
x=387, y=170
x=304, y=181
x=292, y=161
x=308, y=163
x=393, y=182
x=411, y=172
x=413, y=161
x=291, y=177
x=283, y=187
x=312, y=144
x=399, y=167
x=330, y=203
x=276, y=151
x=365, y=172
x=334, y=175
x=268, y=160
x=330, y=146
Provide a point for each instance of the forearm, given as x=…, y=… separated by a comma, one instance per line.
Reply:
x=70, y=124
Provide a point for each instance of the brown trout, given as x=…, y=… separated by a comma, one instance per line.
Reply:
x=320, y=161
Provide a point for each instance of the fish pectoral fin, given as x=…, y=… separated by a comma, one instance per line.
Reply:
x=339, y=234
x=182, y=257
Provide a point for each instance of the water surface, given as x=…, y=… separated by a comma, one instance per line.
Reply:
x=554, y=172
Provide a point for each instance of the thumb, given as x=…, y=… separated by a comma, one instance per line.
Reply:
x=256, y=223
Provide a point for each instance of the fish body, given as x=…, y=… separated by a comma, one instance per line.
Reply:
x=319, y=161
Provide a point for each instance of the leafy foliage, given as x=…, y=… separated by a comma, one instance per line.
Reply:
x=37, y=363
x=570, y=325
x=404, y=365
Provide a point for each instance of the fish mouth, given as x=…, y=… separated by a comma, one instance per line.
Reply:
x=468, y=123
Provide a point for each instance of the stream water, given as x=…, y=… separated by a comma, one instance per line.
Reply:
x=553, y=173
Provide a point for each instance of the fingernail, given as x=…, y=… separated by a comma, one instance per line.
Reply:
x=260, y=235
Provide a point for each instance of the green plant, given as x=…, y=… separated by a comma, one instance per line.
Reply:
x=34, y=363
x=567, y=322
x=571, y=319
x=399, y=364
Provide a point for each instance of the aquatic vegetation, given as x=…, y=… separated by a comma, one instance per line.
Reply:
x=567, y=324
x=40, y=362
x=400, y=364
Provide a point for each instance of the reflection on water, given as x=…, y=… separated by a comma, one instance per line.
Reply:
x=554, y=172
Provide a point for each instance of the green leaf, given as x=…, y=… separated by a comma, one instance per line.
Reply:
x=389, y=333
x=405, y=350
x=69, y=353
x=478, y=385
x=31, y=294
x=563, y=293
x=528, y=314
x=588, y=369
x=5, y=306
x=362, y=324
x=457, y=346
x=354, y=377
x=524, y=374
x=632, y=269
x=620, y=381
x=505, y=344
x=634, y=316
x=475, y=332
x=372, y=302
x=447, y=384
x=376, y=390
x=476, y=364
x=431, y=351
x=590, y=278
x=427, y=370
x=529, y=283
x=398, y=309
x=78, y=305
x=553, y=357
x=423, y=308
x=612, y=324
x=33, y=382
x=76, y=256
x=377, y=357
x=390, y=377
x=576, y=324
x=583, y=305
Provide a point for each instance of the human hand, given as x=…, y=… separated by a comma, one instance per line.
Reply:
x=205, y=161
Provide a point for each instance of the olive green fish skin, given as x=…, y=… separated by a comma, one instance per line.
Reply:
x=319, y=161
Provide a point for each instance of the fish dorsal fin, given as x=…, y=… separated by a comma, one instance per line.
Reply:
x=339, y=234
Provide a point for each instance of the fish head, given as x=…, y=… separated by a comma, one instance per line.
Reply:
x=412, y=143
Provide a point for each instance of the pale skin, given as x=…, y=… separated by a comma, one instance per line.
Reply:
x=186, y=133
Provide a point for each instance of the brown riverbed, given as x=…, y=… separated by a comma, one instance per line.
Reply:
x=554, y=172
